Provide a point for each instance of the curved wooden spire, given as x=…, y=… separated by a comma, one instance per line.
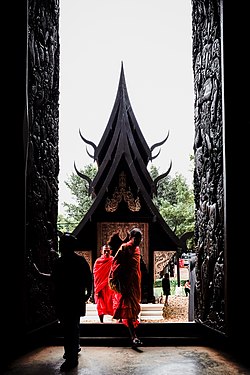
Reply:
x=89, y=143
x=157, y=145
x=160, y=177
x=85, y=177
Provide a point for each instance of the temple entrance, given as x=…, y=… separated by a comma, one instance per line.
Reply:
x=115, y=233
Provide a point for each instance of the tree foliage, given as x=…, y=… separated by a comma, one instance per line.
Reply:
x=74, y=212
x=174, y=200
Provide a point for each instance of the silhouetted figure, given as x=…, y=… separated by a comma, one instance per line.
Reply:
x=72, y=285
x=103, y=294
x=165, y=283
x=187, y=287
x=125, y=280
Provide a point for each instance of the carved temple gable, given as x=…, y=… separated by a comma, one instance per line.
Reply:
x=121, y=193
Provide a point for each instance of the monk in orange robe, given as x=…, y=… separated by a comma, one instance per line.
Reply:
x=125, y=280
x=103, y=295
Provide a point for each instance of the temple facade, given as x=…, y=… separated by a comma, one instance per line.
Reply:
x=123, y=192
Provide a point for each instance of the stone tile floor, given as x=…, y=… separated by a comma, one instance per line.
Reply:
x=172, y=360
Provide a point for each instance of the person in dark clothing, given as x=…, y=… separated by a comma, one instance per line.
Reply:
x=187, y=287
x=72, y=286
x=166, y=286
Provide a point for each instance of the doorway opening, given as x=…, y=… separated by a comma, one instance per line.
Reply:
x=158, y=68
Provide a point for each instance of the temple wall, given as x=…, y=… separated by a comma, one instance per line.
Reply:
x=42, y=156
x=208, y=172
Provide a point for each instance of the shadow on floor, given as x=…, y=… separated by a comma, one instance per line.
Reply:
x=177, y=360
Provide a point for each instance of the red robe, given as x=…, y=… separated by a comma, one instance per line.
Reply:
x=103, y=295
x=126, y=272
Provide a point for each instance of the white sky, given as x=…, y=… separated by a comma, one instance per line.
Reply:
x=153, y=39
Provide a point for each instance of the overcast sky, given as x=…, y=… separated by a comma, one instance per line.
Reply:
x=153, y=39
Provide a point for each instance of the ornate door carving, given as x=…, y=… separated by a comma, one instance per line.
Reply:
x=107, y=230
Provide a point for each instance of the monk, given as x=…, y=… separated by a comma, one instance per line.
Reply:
x=103, y=295
x=125, y=280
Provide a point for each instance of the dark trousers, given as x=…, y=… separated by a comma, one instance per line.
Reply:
x=70, y=324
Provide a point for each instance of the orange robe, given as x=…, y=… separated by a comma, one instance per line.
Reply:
x=103, y=295
x=126, y=274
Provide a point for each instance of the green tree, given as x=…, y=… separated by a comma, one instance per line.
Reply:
x=175, y=202
x=74, y=212
x=65, y=223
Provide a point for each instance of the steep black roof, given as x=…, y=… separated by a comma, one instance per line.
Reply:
x=123, y=144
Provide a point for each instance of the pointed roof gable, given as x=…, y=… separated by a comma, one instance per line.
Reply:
x=122, y=138
x=123, y=143
x=122, y=109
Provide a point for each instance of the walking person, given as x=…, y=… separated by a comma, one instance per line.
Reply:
x=166, y=287
x=72, y=286
x=103, y=294
x=187, y=287
x=125, y=280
